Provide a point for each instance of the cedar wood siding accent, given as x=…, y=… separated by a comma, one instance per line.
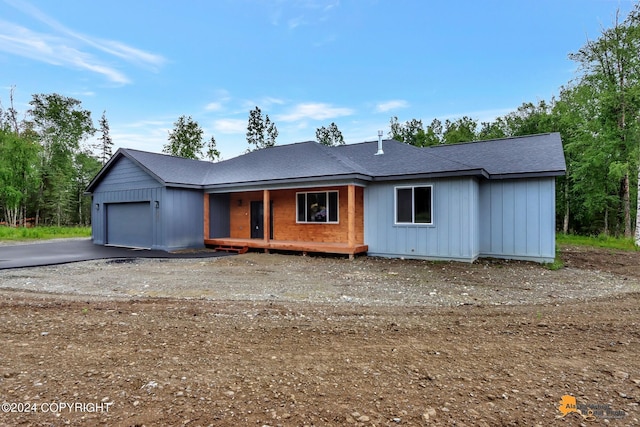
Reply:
x=453, y=235
x=285, y=226
x=517, y=219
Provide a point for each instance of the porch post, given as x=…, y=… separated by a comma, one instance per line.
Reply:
x=206, y=216
x=267, y=215
x=351, y=215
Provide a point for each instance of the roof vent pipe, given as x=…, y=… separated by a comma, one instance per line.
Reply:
x=379, y=143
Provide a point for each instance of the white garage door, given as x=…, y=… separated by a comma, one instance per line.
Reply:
x=129, y=224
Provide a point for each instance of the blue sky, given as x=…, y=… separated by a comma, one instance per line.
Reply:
x=305, y=63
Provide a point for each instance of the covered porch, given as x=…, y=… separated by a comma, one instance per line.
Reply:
x=293, y=221
x=286, y=245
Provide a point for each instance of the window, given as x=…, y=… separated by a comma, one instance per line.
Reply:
x=414, y=205
x=317, y=207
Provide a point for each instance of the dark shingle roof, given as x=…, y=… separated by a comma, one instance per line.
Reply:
x=519, y=156
x=283, y=162
x=401, y=159
x=536, y=155
x=171, y=169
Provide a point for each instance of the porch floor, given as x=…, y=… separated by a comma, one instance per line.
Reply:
x=290, y=245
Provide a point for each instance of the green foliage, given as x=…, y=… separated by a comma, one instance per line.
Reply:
x=411, y=132
x=185, y=140
x=86, y=167
x=42, y=233
x=330, y=136
x=61, y=125
x=611, y=75
x=261, y=131
x=598, y=117
x=599, y=241
x=213, y=154
x=557, y=264
x=106, y=143
x=460, y=130
x=18, y=173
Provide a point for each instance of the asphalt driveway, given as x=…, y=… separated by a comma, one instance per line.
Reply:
x=73, y=250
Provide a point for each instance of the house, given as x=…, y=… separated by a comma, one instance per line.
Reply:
x=385, y=198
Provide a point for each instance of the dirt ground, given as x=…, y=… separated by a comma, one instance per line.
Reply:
x=277, y=340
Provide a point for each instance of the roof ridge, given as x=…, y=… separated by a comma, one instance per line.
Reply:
x=493, y=139
x=450, y=159
x=350, y=164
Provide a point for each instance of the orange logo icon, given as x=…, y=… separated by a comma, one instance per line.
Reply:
x=568, y=405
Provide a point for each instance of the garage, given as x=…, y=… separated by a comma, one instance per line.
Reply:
x=129, y=224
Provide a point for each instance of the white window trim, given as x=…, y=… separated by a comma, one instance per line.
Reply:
x=413, y=199
x=327, y=195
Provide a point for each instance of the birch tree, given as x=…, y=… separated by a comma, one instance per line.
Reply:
x=330, y=136
x=261, y=131
x=185, y=139
x=611, y=67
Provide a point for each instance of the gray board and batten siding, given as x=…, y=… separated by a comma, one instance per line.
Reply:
x=488, y=199
x=517, y=219
x=472, y=218
x=131, y=208
x=452, y=235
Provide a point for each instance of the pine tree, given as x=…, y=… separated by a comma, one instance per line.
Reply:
x=213, y=153
x=106, y=142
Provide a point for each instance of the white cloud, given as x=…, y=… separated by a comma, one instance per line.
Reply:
x=230, y=126
x=152, y=139
x=128, y=53
x=67, y=48
x=262, y=103
x=314, y=111
x=213, y=106
x=221, y=98
x=52, y=50
x=295, y=22
x=393, y=104
x=301, y=13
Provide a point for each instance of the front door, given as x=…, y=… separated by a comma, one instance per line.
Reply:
x=257, y=220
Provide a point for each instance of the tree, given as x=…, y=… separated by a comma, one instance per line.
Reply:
x=611, y=67
x=185, y=140
x=492, y=130
x=86, y=167
x=9, y=117
x=18, y=163
x=460, y=130
x=61, y=125
x=411, y=132
x=433, y=134
x=261, y=131
x=212, y=152
x=106, y=143
x=330, y=136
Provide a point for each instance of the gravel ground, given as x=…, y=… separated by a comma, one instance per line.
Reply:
x=282, y=340
x=291, y=278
